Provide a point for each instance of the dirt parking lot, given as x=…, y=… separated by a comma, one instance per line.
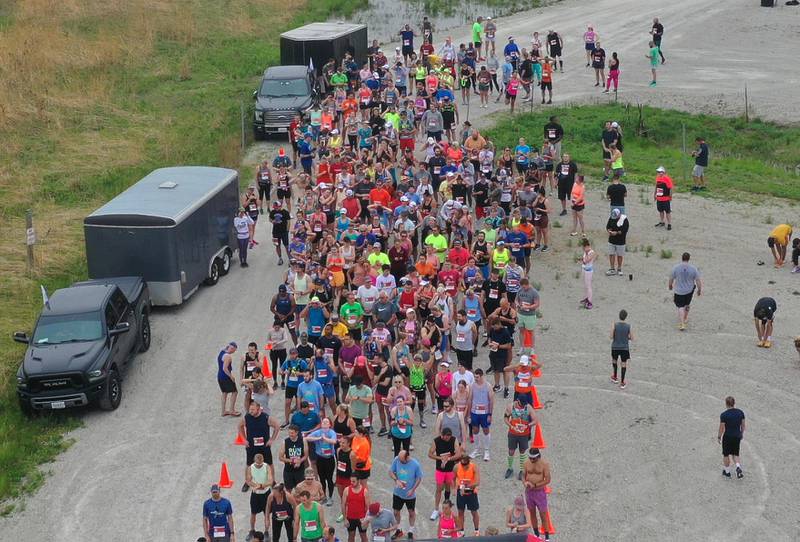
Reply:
x=634, y=464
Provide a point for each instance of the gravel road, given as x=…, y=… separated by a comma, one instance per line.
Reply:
x=638, y=464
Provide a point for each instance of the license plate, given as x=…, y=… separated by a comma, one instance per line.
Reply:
x=56, y=405
x=282, y=129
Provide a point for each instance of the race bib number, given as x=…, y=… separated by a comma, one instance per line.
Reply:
x=341, y=466
x=565, y=169
x=250, y=366
x=258, y=441
x=520, y=427
x=406, y=43
x=493, y=293
x=352, y=319
x=281, y=515
x=472, y=313
x=316, y=329
x=219, y=532
x=329, y=352
x=480, y=409
x=659, y=192
x=403, y=429
x=310, y=525
x=436, y=170
x=322, y=373
x=461, y=337
x=551, y=133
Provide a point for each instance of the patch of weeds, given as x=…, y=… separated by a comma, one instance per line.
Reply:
x=577, y=274
x=666, y=254
x=558, y=276
x=768, y=219
x=536, y=284
x=557, y=224
x=569, y=242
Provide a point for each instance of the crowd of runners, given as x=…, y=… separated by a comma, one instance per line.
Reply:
x=403, y=331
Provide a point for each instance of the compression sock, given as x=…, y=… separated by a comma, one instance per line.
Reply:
x=487, y=442
x=511, y=461
x=561, y=63
x=447, y=494
x=521, y=462
x=614, y=365
x=623, y=373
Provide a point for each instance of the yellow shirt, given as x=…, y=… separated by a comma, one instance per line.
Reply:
x=340, y=330
x=781, y=233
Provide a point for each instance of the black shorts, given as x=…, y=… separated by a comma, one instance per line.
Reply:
x=547, y=85
x=469, y=501
x=555, y=51
x=226, y=385
x=419, y=395
x=353, y=524
x=578, y=208
x=291, y=392
x=266, y=451
x=598, y=66
x=683, y=300
x=399, y=502
x=606, y=155
x=621, y=355
x=281, y=237
x=264, y=191
x=511, y=97
x=477, y=44
x=564, y=189
x=770, y=242
x=293, y=477
x=362, y=474
x=730, y=445
x=664, y=207
x=407, y=51
x=498, y=363
x=258, y=502
x=283, y=193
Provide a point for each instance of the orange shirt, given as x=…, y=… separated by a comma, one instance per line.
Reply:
x=363, y=451
x=465, y=476
x=527, y=229
x=547, y=73
x=349, y=106
x=326, y=122
x=523, y=380
x=380, y=195
x=577, y=194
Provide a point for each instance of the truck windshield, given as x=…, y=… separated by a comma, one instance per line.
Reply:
x=68, y=328
x=279, y=88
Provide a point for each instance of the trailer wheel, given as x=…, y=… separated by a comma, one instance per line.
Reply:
x=213, y=274
x=226, y=263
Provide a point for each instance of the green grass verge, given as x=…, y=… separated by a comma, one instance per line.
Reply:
x=177, y=104
x=747, y=159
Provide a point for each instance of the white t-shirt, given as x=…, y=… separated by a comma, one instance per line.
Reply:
x=467, y=376
x=367, y=295
x=242, y=225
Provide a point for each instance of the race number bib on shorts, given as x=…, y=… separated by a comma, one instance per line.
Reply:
x=219, y=532
x=258, y=441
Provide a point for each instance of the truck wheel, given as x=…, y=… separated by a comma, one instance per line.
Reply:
x=144, y=334
x=258, y=136
x=226, y=263
x=112, y=394
x=26, y=408
x=213, y=274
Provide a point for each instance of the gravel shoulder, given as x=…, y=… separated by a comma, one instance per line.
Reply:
x=627, y=465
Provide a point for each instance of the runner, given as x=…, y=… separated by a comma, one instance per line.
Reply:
x=291, y=369
x=613, y=73
x=555, y=45
x=243, y=225
x=730, y=435
x=778, y=241
x=547, y=78
x=259, y=477
x=657, y=31
x=616, y=192
x=446, y=450
x=518, y=517
x=260, y=431
x=324, y=440
x=519, y=418
x=310, y=519
x=617, y=228
x=763, y=316
x=354, y=509
x=406, y=473
x=468, y=481
x=480, y=406
x=683, y=281
x=599, y=65
x=384, y=525
x=700, y=164
x=663, y=196
x=578, y=205
x=218, y=518
x=466, y=335
x=537, y=477
x=652, y=56
x=448, y=522
x=477, y=31
x=280, y=509
x=587, y=266
x=621, y=336
x=294, y=456
x=225, y=379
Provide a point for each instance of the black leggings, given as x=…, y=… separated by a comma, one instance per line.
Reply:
x=277, y=357
x=496, y=84
x=397, y=443
x=276, y=529
x=326, y=467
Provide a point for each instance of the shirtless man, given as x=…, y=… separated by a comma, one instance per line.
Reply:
x=537, y=477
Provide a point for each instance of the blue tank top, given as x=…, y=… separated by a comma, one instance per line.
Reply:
x=469, y=275
x=221, y=363
x=341, y=227
x=402, y=431
x=322, y=372
x=316, y=321
x=283, y=305
x=473, y=309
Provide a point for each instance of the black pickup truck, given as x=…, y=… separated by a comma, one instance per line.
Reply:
x=82, y=342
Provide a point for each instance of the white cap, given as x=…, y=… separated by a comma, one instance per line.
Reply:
x=615, y=124
x=412, y=204
x=661, y=169
x=404, y=199
x=451, y=174
x=348, y=193
x=524, y=361
x=431, y=141
x=444, y=363
x=334, y=131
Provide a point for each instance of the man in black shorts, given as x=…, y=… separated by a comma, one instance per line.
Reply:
x=565, y=172
x=407, y=475
x=280, y=228
x=610, y=136
x=731, y=432
x=554, y=46
x=355, y=502
x=621, y=337
x=657, y=31
x=763, y=316
x=500, y=346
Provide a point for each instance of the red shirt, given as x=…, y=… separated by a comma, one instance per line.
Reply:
x=292, y=127
x=351, y=205
x=458, y=256
x=380, y=195
x=450, y=280
x=664, y=188
x=324, y=173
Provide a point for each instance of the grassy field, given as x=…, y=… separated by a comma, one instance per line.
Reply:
x=93, y=95
x=747, y=159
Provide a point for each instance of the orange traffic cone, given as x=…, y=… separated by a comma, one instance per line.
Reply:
x=538, y=439
x=550, y=528
x=265, y=370
x=536, y=403
x=527, y=338
x=224, y=479
x=268, y=346
x=239, y=440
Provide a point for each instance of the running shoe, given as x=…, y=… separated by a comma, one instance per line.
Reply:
x=434, y=409
x=423, y=425
x=474, y=453
x=726, y=474
x=614, y=379
x=760, y=344
x=652, y=83
x=669, y=227
x=477, y=532
x=486, y=455
x=588, y=305
x=411, y=447
x=495, y=388
x=509, y=473
x=383, y=432
x=573, y=234
x=682, y=326
x=329, y=503
x=280, y=261
x=767, y=344
x=796, y=269
x=619, y=272
x=245, y=264
x=519, y=476
x=261, y=210
x=660, y=225
x=739, y=473
x=605, y=91
x=549, y=101
x=610, y=272
x=340, y=518
x=434, y=515
x=562, y=213
x=584, y=301
x=545, y=248
x=623, y=385
x=283, y=387
x=505, y=393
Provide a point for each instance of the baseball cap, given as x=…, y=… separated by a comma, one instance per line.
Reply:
x=412, y=204
x=376, y=245
x=342, y=211
x=233, y=344
x=374, y=509
x=281, y=152
x=524, y=361
x=445, y=363
x=661, y=169
x=501, y=243
x=615, y=124
x=348, y=192
x=309, y=472
x=282, y=288
x=534, y=453
x=510, y=38
x=615, y=213
x=431, y=141
x=403, y=199
x=315, y=299
x=215, y=488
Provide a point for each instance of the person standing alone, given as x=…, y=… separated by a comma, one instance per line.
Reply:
x=683, y=281
x=621, y=337
x=700, y=164
x=731, y=432
x=657, y=31
x=663, y=196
